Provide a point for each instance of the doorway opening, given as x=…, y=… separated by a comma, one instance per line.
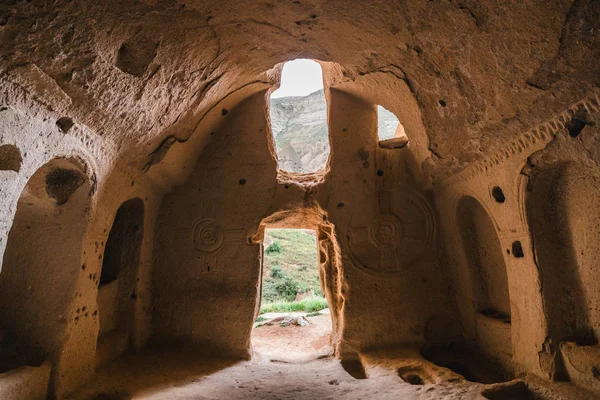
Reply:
x=294, y=322
x=117, y=288
x=298, y=119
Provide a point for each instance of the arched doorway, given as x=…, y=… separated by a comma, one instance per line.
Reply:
x=42, y=262
x=116, y=293
x=306, y=232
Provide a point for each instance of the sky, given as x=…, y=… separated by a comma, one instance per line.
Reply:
x=299, y=77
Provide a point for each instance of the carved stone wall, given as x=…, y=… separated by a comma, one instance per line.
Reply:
x=570, y=137
x=385, y=231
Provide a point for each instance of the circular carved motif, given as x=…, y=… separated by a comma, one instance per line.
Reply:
x=208, y=235
x=389, y=234
x=385, y=230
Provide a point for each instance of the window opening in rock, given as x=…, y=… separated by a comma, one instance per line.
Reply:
x=389, y=130
x=294, y=321
x=298, y=115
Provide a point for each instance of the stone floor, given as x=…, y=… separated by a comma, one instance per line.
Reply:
x=155, y=375
x=296, y=362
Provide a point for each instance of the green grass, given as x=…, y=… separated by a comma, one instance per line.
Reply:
x=310, y=304
x=295, y=248
x=291, y=262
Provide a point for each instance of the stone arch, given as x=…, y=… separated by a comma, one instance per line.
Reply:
x=330, y=263
x=42, y=260
x=116, y=293
x=563, y=212
x=489, y=280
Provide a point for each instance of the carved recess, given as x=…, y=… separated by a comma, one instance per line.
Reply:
x=201, y=244
x=392, y=236
x=208, y=235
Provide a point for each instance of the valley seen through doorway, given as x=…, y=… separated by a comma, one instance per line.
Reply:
x=294, y=323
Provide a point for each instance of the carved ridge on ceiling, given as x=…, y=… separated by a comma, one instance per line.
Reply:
x=539, y=136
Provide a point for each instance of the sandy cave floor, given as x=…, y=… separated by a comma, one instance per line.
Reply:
x=173, y=376
x=290, y=362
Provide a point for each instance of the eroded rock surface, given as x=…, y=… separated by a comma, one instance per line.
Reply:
x=138, y=174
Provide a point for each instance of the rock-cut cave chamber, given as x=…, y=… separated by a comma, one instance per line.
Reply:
x=458, y=252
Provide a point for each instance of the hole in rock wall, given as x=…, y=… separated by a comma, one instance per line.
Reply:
x=498, y=194
x=389, y=130
x=575, y=126
x=415, y=375
x=517, y=249
x=10, y=158
x=294, y=320
x=122, y=244
x=61, y=183
x=65, y=124
x=388, y=125
x=136, y=54
x=42, y=262
x=117, y=290
x=354, y=368
x=412, y=379
x=298, y=118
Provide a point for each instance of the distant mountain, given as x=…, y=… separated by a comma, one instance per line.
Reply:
x=299, y=126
